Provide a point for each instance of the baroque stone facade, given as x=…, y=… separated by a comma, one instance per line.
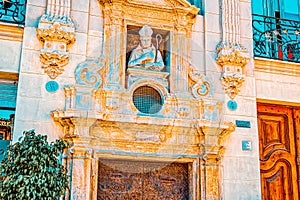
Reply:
x=174, y=109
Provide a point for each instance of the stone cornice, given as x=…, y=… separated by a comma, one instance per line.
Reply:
x=9, y=76
x=11, y=32
x=159, y=13
x=276, y=67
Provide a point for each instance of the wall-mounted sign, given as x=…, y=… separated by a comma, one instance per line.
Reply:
x=243, y=124
x=232, y=105
x=52, y=86
x=246, y=145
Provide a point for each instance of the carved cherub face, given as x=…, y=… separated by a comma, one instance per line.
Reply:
x=145, y=42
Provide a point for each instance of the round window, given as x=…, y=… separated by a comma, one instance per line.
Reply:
x=147, y=100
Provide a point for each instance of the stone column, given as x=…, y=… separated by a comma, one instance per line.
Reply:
x=79, y=160
x=210, y=156
x=181, y=52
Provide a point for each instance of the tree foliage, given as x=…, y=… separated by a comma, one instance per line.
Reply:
x=32, y=169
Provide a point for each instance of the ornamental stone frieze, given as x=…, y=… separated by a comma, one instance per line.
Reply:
x=231, y=55
x=57, y=33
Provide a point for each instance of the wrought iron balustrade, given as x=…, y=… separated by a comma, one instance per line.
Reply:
x=276, y=38
x=13, y=11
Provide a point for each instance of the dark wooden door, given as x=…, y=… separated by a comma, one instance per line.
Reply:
x=278, y=151
x=134, y=180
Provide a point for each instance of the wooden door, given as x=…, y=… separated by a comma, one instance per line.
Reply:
x=297, y=132
x=135, y=180
x=277, y=147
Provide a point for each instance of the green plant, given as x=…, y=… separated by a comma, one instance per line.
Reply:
x=32, y=170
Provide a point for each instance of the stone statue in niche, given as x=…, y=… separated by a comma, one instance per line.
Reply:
x=145, y=55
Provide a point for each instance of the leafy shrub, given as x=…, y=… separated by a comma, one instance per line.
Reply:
x=31, y=169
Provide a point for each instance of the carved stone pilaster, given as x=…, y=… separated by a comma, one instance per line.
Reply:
x=114, y=37
x=57, y=33
x=79, y=161
x=231, y=56
x=79, y=157
x=212, y=151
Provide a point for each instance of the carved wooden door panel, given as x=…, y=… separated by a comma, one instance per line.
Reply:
x=142, y=180
x=297, y=132
x=277, y=148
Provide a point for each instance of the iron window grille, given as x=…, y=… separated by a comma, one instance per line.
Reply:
x=13, y=11
x=147, y=100
x=276, y=38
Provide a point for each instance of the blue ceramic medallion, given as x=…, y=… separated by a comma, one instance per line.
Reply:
x=232, y=105
x=52, y=86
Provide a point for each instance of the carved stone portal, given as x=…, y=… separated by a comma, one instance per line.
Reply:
x=102, y=120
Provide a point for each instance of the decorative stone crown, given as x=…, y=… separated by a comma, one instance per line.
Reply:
x=231, y=54
x=56, y=33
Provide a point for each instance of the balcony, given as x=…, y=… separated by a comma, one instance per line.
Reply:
x=276, y=38
x=13, y=11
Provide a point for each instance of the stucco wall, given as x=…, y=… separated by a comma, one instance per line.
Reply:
x=10, y=55
x=240, y=168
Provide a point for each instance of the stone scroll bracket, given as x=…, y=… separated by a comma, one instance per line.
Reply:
x=56, y=32
x=231, y=55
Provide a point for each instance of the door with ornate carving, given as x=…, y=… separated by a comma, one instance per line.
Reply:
x=278, y=151
x=135, y=180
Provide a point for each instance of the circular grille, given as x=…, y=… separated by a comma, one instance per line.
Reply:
x=147, y=100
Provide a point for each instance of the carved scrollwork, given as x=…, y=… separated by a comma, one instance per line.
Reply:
x=231, y=54
x=88, y=72
x=202, y=87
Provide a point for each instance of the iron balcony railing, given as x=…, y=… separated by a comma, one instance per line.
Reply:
x=276, y=38
x=13, y=11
